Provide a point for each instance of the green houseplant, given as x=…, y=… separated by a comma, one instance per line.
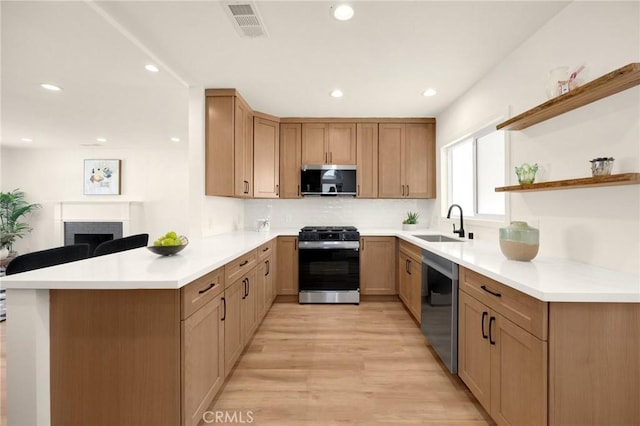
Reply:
x=411, y=222
x=13, y=207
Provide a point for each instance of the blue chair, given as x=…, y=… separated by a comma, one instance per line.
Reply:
x=121, y=244
x=49, y=257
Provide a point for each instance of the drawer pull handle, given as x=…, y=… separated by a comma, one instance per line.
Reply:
x=484, y=335
x=265, y=249
x=484, y=287
x=244, y=263
x=491, y=321
x=224, y=309
x=212, y=285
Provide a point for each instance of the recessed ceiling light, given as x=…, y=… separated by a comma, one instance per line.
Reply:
x=337, y=93
x=175, y=139
x=26, y=140
x=343, y=12
x=429, y=92
x=101, y=139
x=151, y=68
x=51, y=87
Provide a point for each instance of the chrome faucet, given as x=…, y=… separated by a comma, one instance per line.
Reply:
x=460, y=231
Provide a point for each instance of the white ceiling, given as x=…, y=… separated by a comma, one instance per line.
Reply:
x=382, y=59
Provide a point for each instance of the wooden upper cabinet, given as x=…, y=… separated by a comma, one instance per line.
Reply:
x=243, y=163
x=420, y=161
x=329, y=143
x=229, y=145
x=290, y=160
x=341, y=147
x=367, y=156
x=219, y=149
x=390, y=158
x=266, y=158
x=406, y=164
x=315, y=137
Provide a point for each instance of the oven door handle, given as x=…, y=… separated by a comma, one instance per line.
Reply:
x=329, y=245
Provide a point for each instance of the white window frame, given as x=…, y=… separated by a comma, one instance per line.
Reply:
x=446, y=175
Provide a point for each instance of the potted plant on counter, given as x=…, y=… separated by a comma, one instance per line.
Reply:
x=411, y=222
x=13, y=207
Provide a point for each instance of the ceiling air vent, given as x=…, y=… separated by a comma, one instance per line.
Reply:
x=245, y=18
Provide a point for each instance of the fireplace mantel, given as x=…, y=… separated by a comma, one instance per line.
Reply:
x=125, y=211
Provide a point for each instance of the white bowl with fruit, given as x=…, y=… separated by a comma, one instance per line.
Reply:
x=169, y=244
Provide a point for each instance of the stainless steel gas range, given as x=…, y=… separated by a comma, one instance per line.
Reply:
x=329, y=264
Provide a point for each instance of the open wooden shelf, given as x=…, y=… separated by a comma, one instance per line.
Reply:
x=616, y=81
x=611, y=180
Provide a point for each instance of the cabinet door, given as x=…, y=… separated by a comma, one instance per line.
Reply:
x=419, y=160
x=315, y=139
x=518, y=375
x=266, y=158
x=342, y=143
x=403, y=278
x=290, y=160
x=261, y=289
x=287, y=265
x=219, y=131
x=243, y=160
x=378, y=265
x=233, y=343
x=268, y=285
x=367, y=160
x=390, y=148
x=249, y=300
x=415, y=291
x=474, y=350
x=202, y=359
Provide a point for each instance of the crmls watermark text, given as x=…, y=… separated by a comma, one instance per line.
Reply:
x=221, y=417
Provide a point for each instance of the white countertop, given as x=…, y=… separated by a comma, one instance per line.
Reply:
x=547, y=279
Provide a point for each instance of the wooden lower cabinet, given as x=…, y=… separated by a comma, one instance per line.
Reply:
x=249, y=312
x=504, y=365
x=410, y=279
x=287, y=254
x=202, y=359
x=378, y=266
x=233, y=343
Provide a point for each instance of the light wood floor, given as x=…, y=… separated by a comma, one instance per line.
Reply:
x=344, y=365
x=336, y=365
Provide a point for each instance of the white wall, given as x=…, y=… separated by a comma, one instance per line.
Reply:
x=157, y=177
x=594, y=225
x=297, y=213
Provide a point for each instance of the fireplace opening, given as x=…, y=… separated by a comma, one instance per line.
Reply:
x=92, y=239
x=92, y=233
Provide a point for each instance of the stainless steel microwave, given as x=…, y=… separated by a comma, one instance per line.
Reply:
x=328, y=180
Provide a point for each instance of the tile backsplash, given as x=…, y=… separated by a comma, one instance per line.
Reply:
x=363, y=213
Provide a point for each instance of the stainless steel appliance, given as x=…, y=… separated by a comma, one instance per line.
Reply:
x=440, y=307
x=328, y=180
x=329, y=264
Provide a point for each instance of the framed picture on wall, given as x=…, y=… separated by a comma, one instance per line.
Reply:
x=102, y=177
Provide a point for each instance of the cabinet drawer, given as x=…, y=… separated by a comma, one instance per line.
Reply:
x=236, y=268
x=524, y=310
x=412, y=251
x=265, y=250
x=197, y=293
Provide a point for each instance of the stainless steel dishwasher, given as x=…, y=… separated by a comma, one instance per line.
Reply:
x=440, y=307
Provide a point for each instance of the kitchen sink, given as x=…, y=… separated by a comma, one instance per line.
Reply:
x=438, y=239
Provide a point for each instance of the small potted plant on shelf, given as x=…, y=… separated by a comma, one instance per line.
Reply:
x=13, y=206
x=411, y=222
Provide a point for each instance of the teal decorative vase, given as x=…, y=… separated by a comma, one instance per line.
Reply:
x=519, y=241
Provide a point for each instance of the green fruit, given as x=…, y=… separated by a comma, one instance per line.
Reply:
x=167, y=242
x=157, y=242
x=172, y=235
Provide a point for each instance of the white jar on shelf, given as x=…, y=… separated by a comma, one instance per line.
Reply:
x=556, y=75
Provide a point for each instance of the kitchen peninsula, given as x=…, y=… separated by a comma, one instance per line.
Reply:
x=593, y=324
